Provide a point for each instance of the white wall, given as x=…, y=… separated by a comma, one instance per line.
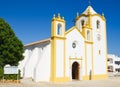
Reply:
x=23, y=63
x=42, y=68
x=78, y=52
x=29, y=68
x=59, y=58
x=99, y=59
x=36, y=64
x=89, y=58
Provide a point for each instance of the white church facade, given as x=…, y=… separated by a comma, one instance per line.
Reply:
x=80, y=53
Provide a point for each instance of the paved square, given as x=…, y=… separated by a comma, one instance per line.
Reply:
x=111, y=82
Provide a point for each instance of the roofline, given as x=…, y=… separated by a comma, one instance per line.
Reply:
x=82, y=15
x=71, y=29
x=38, y=42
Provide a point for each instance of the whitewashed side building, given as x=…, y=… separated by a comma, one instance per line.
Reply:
x=79, y=53
x=113, y=63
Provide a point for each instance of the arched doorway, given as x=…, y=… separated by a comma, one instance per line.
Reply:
x=75, y=71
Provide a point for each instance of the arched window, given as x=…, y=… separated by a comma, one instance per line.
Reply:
x=59, y=29
x=98, y=24
x=82, y=22
x=88, y=35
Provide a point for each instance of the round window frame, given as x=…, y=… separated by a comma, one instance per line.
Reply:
x=74, y=45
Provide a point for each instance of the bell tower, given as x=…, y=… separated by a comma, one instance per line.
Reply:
x=58, y=50
x=58, y=26
x=93, y=28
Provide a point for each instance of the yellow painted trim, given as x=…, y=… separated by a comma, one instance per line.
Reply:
x=64, y=79
x=73, y=28
x=87, y=26
x=57, y=19
x=90, y=20
x=85, y=77
x=81, y=16
x=53, y=52
x=96, y=77
x=53, y=32
x=59, y=38
x=53, y=59
x=75, y=58
x=103, y=18
x=102, y=76
x=88, y=42
x=79, y=30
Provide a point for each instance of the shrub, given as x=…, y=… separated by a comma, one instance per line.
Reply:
x=1, y=73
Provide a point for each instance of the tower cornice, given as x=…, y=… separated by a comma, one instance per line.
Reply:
x=86, y=15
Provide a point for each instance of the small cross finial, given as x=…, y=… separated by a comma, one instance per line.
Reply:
x=58, y=15
x=77, y=14
x=54, y=16
x=89, y=3
x=63, y=18
x=102, y=14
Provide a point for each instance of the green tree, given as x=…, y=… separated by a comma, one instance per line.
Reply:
x=11, y=48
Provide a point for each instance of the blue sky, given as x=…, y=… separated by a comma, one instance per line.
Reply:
x=31, y=19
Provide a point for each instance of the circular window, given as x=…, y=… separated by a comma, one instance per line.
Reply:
x=74, y=45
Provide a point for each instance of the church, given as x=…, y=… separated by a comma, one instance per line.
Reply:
x=80, y=53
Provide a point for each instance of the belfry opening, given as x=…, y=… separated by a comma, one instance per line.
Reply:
x=75, y=71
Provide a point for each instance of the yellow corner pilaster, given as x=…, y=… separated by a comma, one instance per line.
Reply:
x=54, y=38
x=53, y=59
x=90, y=21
